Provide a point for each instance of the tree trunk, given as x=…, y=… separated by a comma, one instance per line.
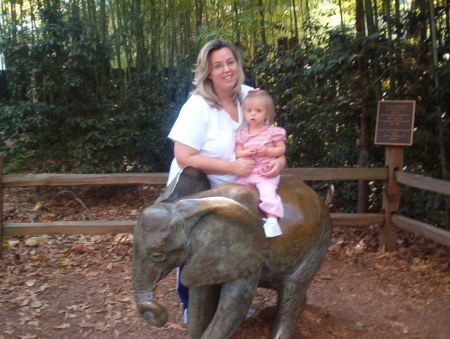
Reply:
x=363, y=186
x=441, y=122
x=261, y=21
x=236, y=23
x=295, y=19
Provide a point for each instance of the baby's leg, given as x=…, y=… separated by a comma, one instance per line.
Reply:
x=272, y=205
x=271, y=202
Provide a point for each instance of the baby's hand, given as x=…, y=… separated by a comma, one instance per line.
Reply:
x=251, y=151
x=262, y=152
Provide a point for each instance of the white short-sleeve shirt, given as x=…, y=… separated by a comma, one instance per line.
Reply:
x=209, y=130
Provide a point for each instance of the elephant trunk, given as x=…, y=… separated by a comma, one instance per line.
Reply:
x=152, y=312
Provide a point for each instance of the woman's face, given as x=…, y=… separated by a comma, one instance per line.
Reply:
x=223, y=70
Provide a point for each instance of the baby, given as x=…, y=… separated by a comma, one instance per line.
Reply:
x=262, y=142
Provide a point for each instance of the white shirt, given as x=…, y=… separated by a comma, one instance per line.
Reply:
x=209, y=130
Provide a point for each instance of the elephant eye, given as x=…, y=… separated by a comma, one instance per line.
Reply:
x=158, y=256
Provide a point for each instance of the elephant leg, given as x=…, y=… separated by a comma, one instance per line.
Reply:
x=290, y=300
x=202, y=306
x=235, y=299
x=292, y=296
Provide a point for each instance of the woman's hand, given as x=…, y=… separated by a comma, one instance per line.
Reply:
x=274, y=168
x=243, y=167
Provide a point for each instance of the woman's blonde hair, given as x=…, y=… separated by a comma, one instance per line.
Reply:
x=204, y=85
x=262, y=94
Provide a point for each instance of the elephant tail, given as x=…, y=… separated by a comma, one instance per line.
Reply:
x=330, y=194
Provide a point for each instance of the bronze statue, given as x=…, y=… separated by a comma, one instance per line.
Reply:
x=218, y=236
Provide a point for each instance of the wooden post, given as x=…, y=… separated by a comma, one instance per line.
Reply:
x=391, y=197
x=1, y=206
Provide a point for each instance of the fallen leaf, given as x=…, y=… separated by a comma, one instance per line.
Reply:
x=174, y=326
x=43, y=287
x=38, y=205
x=12, y=243
x=36, y=304
x=66, y=262
x=30, y=283
x=81, y=249
x=36, y=241
x=83, y=324
x=325, y=277
x=62, y=326
x=380, y=267
x=25, y=302
x=48, y=217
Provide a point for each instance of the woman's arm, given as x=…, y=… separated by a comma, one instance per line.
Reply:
x=188, y=156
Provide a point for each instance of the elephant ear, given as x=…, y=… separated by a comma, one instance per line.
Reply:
x=226, y=241
x=190, y=180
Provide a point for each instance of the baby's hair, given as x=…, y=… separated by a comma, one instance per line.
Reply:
x=262, y=94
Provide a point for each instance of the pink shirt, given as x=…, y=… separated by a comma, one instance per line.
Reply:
x=265, y=138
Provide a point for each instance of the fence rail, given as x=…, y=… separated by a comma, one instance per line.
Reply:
x=69, y=227
x=423, y=182
x=308, y=174
x=126, y=226
x=439, y=235
x=52, y=180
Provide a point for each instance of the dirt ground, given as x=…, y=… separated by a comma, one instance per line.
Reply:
x=80, y=286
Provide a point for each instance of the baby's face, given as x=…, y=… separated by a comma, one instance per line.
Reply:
x=255, y=111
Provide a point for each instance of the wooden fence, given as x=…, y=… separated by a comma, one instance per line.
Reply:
x=391, y=175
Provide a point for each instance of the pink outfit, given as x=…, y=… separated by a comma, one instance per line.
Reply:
x=267, y=187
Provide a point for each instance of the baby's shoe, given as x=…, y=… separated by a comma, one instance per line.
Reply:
x=272, y=228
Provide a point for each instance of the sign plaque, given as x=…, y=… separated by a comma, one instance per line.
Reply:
x=395, y=122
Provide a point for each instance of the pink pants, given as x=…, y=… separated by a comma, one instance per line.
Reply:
x=267, y=188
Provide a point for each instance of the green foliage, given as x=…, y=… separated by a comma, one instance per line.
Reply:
x=70, y=108
x=312, y=85
x=19, y=138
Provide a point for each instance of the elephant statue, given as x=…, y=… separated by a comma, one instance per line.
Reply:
x=217, y=235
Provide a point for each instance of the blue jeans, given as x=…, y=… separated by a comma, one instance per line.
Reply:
x=182, y=290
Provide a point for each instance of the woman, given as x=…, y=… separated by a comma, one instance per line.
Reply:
x=204, y=133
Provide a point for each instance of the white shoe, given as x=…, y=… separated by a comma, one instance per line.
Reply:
x=272, y=228
x=185, y=318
